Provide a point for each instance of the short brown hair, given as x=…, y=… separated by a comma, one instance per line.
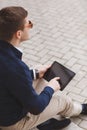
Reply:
x=11, y=20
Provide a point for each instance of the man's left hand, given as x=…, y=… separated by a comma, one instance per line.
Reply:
x=42, y=69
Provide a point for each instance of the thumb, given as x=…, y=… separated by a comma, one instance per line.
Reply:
x=57, y=78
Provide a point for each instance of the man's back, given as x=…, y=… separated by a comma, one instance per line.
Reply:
x=10, y=109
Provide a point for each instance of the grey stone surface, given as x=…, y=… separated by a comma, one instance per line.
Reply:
x=72, y=126
x=59, y=33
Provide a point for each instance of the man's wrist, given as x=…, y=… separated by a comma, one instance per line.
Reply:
x=37, y=73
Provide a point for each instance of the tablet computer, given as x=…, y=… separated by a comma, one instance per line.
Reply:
x=58, y=70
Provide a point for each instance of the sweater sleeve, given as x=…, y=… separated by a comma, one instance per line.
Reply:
x=19, y=85
x=41, y=101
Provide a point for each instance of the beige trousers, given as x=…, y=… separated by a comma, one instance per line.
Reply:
x=59, y=104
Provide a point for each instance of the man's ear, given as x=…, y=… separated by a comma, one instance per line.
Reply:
x=18, y=34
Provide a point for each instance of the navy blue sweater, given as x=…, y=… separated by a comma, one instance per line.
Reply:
x=17, y=96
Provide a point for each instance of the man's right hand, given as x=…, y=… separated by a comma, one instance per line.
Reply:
x=54, y=84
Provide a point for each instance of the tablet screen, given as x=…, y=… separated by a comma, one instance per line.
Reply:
x=58, y=70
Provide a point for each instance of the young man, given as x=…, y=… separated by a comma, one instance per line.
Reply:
x=23, y=106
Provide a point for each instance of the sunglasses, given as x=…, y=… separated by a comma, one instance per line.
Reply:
x=30, y=24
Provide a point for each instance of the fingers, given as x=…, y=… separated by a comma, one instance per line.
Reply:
x=47, y=66
x=57, y=78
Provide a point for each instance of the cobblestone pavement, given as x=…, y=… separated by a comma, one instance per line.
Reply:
x=59, y=33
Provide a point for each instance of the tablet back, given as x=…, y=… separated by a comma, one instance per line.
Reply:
x=58, y=70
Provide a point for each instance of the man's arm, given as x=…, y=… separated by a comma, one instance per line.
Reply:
x=19, y=84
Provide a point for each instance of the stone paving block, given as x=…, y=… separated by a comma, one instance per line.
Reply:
x=81, y=56
x=56, y=54
x=32, y=57
x=76, y=67
x=27, y=45
x=83, y=117
x=73, y=89
x=43, y=52
x=76, y=120
x=76, y=97
x=65, y=49
x=84, y=68
x=82, y=62
x=83, y=124
x=80, y=51
x=62, y=61
x=68, y=55
x=84, y=92
x=30, y=51
x=73, y=126
x=71, y=62
x=79, y=75
x=41, y=46
x=82, y=84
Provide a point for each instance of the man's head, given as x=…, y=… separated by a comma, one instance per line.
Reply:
x=13, y=21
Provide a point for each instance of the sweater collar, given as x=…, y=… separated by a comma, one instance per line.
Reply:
x=9, y=47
